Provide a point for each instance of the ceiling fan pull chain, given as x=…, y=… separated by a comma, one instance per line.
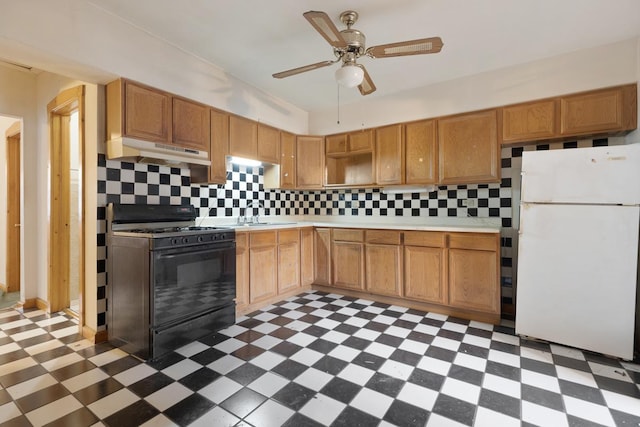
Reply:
x=338, y=121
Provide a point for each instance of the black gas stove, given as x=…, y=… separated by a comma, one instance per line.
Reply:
x=170, y=281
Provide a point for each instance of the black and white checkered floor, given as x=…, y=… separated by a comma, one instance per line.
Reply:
x=313, y=360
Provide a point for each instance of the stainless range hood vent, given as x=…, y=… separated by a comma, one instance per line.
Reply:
x=155, y=153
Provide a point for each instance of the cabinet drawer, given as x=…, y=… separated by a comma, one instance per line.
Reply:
x=348, y=235
x=262, y=238
x=433, y=239
x=385, y=237
x=288, y=236
x=483, y=242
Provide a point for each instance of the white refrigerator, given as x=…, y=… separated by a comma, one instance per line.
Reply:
x=578, y=248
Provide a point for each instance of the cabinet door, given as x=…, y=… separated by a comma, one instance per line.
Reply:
x=420, y=152
x=347, y=259
x=360, y=141
x=306, y=256
x=190, y=124
x=242, y=271
x=322, y=256
x=384, y=269
x=473, y=280
x=147, y=113
x=268, y=144
x=389, y=158
x=309, y=162
x=423, y=278
x=529, y=122
x=468, y=148
x=263, y=272
x=336, y=144
x=243, y=137
x=219, y=147
x=288, y=266
x=287, y=160
x=596, y=111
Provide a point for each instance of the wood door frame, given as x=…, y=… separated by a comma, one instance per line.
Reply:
x=13, y=185
x=59, y=111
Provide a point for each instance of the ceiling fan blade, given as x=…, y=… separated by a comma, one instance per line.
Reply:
x=323, y=24
x=367, y=86
x=299, y=70
x=409, y=47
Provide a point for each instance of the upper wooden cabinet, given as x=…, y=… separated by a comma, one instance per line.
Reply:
x=287, y=160
x=253, y=140
x=389, y=158
x=474, y=271
x=268, y=144
x=138, y=111
x=350, y=143
x=529, y=122
x=310, y=162
x=610, y=111
x=421, y=152
x=243, y=137
x=218, y=151
x=190, y=124
x=605, y=110
x=468, y=148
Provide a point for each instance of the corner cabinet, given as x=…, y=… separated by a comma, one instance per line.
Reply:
x=468, y=148
x=243, y=137
x=218, y=151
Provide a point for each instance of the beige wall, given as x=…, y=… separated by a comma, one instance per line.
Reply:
x=578, y=71
x=18, y=99
x=26, y=95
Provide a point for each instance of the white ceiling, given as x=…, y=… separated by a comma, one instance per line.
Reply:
x=252, y=39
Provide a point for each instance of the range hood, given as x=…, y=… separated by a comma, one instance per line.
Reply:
x=155, y=152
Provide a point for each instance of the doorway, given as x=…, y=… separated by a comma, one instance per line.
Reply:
x=66, y=207
x=10, y=275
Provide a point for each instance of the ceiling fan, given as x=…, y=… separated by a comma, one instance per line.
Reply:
x=349, y=45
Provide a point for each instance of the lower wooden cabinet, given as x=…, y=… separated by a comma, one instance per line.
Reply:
x=473, y=272
x=272, y=264
x=263, y=265
x=347, y=258
x=288, y=260
x=306, y=256
x=383, y=262
x=322, y=256
x=242, y=271
x=455, y=271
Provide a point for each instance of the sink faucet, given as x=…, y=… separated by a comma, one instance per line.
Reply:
x=242, y=219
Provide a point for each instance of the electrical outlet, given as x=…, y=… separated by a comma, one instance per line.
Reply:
x=463, y=203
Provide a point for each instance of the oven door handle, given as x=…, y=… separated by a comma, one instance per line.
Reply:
x=191, y=250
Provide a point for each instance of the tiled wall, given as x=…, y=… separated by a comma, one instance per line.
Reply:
x=124, y=182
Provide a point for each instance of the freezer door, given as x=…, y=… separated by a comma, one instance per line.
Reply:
x=577, y=276
x=600, y=175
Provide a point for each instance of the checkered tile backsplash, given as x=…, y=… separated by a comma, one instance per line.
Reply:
x=125, y=182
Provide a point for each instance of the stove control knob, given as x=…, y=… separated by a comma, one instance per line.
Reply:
x=200, y=239
x=174, y=241
x=185, y=240
x=214, y=237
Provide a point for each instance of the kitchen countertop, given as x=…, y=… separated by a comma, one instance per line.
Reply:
x=469, y=224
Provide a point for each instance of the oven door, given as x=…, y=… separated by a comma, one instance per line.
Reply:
x=190, y=281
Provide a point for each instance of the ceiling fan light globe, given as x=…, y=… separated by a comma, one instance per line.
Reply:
x=349, y=75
